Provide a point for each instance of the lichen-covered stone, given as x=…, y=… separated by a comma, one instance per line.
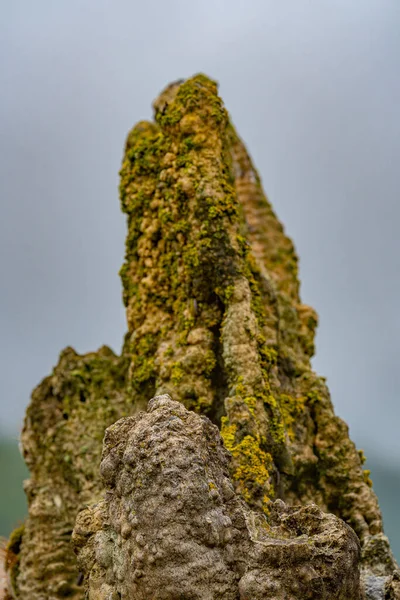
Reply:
x=171, y=526
x=62, y=441
x=214, y=312
x=215, y=319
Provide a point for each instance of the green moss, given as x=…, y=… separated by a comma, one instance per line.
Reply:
x=177, y=373
x=277, y=429
x=251, y=272
x=367, y=478
x=209, y=363
x=313, y=397
x=70, y=411
x=228, y=432
x=268, y=354
x=227, y=294
x=143, y=365
x=362, y=456
x=291, y=409
x=251, y=403
x=198, y=94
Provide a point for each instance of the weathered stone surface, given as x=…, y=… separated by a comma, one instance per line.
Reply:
x=215, y=319
x=62, y=440
x=214, y=312
x=380, y=574
x=171, y=525
x=392, y=586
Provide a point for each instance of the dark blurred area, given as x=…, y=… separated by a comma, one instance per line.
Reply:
x=13, y=507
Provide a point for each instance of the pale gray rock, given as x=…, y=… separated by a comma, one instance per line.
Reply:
x=375, y=587
x=379, y=574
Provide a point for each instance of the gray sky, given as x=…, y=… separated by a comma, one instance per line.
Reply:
x=314, y=90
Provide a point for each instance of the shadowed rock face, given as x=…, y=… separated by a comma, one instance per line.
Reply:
x=215, y=320
x=62, y=441
x=171, y=525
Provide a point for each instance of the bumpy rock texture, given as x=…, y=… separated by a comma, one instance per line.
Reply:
x=171, y=525
x=215, y=320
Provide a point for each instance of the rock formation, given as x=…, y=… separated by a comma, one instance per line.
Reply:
x=214, y=320
x=171, y=525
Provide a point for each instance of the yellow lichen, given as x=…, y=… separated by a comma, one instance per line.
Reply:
x=251, y=465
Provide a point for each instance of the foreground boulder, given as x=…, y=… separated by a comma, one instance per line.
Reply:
x=171, y=525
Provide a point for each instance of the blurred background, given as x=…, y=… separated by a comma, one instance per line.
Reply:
x=313, y=88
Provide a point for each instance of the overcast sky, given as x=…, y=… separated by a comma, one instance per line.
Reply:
x=314, y=90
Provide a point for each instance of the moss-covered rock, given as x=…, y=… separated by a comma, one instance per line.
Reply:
x=215, y=319
x=62, y=441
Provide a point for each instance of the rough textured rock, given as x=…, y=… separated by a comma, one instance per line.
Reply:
x=214, y=319
x=171, y=525
x=62, y=440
